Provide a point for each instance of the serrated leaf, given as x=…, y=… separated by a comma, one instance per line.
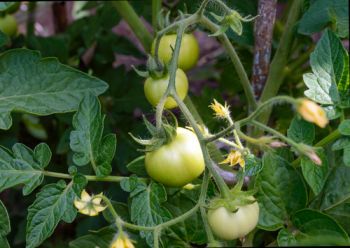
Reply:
x=52, y=204
x=86, y=139
x=324, y=12
x=253, y=165
x=301, y=131
x=281, y=192
x=341, y=143
x=31, y=84
x=146, y=206
x=101, y=238
x=327, y=63
x=5, y=227
x=316, y=228
x=315, y=175
x=346, y=157
x=23, y=166
x=344, y=127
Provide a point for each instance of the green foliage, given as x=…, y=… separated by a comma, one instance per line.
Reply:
x=87, y=140
x=281, y=192
x=315, y=175
x=328, y=83
x=43, y=87
x=23, y=166
x=101, y=238
x=301, y=131
x=313, y=228
x=326, y=12
x=53, y=203
x=146, y=204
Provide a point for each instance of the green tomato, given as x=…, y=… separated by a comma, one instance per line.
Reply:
x=177, y=163
x=189, y=50
x=155, y=89
x=229, y=226
x=8, y=25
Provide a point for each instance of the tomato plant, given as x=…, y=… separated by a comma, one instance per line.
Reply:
x=155, y=89
x=167, y=124
x=178, y=162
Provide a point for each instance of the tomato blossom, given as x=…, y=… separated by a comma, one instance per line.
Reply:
x=89, y=205
x=233, y=158
x=221, y=111
x=312, y=112
x=122, y=241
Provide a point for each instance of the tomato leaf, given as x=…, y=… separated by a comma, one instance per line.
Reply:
x=316, y=228
x=327, y=84
x=301, y=131
x=101, y=238
x=23, y=166
x=315, y=175
x=344, y=127
x=281, y=192
x=86, y=139
x=52, y=204
x=5, y=227
x=4, y=243
x=342, y=214
x=324, y=12
x=31, y=84
x=147, y=204
x=336, y=189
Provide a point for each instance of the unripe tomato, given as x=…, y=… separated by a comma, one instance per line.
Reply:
x=8, y=25
x=155, y=89
x=228, y=225
x=177, y=163
x=189, y=50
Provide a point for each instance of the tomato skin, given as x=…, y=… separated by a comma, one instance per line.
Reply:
x=178, y=162
x=229, y=226
x=8, y=25
x=189, y=50
x=155, y=89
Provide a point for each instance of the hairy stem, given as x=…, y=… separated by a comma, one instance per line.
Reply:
x=129, y=15
x=248, y=90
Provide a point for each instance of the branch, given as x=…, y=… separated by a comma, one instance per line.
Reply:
x=276, y=75
x=263, y=31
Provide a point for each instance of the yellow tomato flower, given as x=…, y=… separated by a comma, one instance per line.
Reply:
x=312, y=112
x=89, y=205
x=233, y=158
x=221, y=112
x=122, y=241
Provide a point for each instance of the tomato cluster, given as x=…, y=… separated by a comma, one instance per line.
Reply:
x=180, y=161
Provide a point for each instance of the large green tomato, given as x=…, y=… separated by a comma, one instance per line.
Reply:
x=228, y=226
x=178, y=162
x=8, y=25
x=155, y=89
x=189, y=50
